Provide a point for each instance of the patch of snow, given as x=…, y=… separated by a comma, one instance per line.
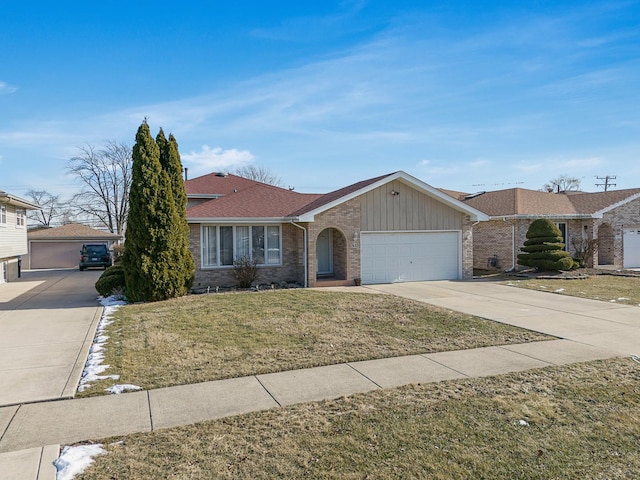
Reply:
x=558, y=290
x=523, y=423
x=74, y=460
x=94, y=367
x=612, y=301
x=118, y=389
x=623, y=298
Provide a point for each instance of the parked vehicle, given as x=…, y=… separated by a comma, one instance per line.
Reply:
x=95, y=255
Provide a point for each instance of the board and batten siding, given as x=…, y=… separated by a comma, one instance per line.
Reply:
x=13, y=238
x=409, y=210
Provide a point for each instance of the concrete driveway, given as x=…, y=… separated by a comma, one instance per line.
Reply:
x=47, y=322
x=609, y=326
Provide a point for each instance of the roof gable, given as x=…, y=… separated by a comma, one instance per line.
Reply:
x=332, y=199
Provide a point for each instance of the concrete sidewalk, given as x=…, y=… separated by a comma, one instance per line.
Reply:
x=40, y=424
x=588, y=330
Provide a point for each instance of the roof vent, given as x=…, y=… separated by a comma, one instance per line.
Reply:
x=477, y=194
x=222, y=174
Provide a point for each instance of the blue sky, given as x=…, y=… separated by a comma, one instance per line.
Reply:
x=463, y=95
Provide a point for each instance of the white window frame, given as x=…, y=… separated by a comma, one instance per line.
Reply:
x=205, y=247
x=21, y=217
x=3, y=214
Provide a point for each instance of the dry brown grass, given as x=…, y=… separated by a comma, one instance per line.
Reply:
x=208, y=337
x=608, y=288
x=583, y=422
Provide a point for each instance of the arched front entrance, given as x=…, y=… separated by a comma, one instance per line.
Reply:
x=605, y=245
x=331, y=255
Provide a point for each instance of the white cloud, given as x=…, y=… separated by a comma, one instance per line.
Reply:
x=579, y=163
x=216, y=159
x=5, y=88
x=528, y=167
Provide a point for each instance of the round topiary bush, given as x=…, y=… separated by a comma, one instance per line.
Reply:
x=111, y=281
x=544, y=249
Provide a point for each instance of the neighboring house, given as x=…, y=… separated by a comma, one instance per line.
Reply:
x=391, y=228
x=13, y=234
x=613, y=218
x=59, y=247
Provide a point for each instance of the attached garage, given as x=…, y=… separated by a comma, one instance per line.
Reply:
x=60, y=247
x=631, y=244
x=390, y=257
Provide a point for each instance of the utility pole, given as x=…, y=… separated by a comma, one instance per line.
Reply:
x=606, y=183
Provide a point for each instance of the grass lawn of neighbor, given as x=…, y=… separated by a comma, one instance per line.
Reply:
x=607, y=288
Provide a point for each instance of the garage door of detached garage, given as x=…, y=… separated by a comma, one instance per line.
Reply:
x=391, y=257
x=631, y=250
x=55, y=254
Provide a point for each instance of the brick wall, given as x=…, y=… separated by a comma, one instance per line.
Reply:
x=467, y=248
x=494, y=237
x=345, y=220
x=292, y=269
x=625, y=216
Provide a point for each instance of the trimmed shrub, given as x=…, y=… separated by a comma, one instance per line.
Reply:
x=544, y=249
x=111, y=281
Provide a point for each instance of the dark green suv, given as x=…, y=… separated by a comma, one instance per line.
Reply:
x=94, y=255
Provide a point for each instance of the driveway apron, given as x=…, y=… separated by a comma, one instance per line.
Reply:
x=47, y=322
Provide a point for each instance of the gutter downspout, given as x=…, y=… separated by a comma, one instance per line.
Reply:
x=304, y=255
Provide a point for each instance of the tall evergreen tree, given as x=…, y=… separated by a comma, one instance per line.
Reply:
x=151, y=265
x=140, y=237
x=170, y=161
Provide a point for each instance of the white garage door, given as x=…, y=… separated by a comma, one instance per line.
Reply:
x=410, y=257
x=631, y=242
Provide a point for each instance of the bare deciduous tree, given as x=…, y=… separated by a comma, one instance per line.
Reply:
x=51, y=210
x=563, y=183
x=105, y=175
x=259, y=174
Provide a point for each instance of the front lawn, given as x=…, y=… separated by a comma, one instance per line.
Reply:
x=577, y=421
x=208, y=337
x=608, y=288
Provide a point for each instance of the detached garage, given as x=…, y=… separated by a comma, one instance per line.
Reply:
x=60, y=247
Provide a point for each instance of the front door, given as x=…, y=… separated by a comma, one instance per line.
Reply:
x=324, y=253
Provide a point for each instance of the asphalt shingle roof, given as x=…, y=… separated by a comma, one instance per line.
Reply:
x=70, y=231
x=520, y=201
x=243, y=198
